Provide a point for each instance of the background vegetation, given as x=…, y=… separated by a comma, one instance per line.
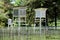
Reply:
x=7, y=5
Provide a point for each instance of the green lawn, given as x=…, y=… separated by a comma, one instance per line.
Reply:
x=31, y=37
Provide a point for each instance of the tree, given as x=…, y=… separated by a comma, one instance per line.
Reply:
x=5, y=7
x=52, y=13
x=30, y=16
x=52, y=5
x=20, y=3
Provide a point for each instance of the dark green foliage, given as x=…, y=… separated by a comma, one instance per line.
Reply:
x=6, y=9
x=30, y=16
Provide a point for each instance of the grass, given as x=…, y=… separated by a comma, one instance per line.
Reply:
x=23, y=37
x=31, y=37
x=51, y=35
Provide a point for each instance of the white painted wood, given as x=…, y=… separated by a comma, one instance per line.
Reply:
x=41, y=12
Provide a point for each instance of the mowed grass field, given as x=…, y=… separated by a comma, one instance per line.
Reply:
x=51, y=34
x=31, y=37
